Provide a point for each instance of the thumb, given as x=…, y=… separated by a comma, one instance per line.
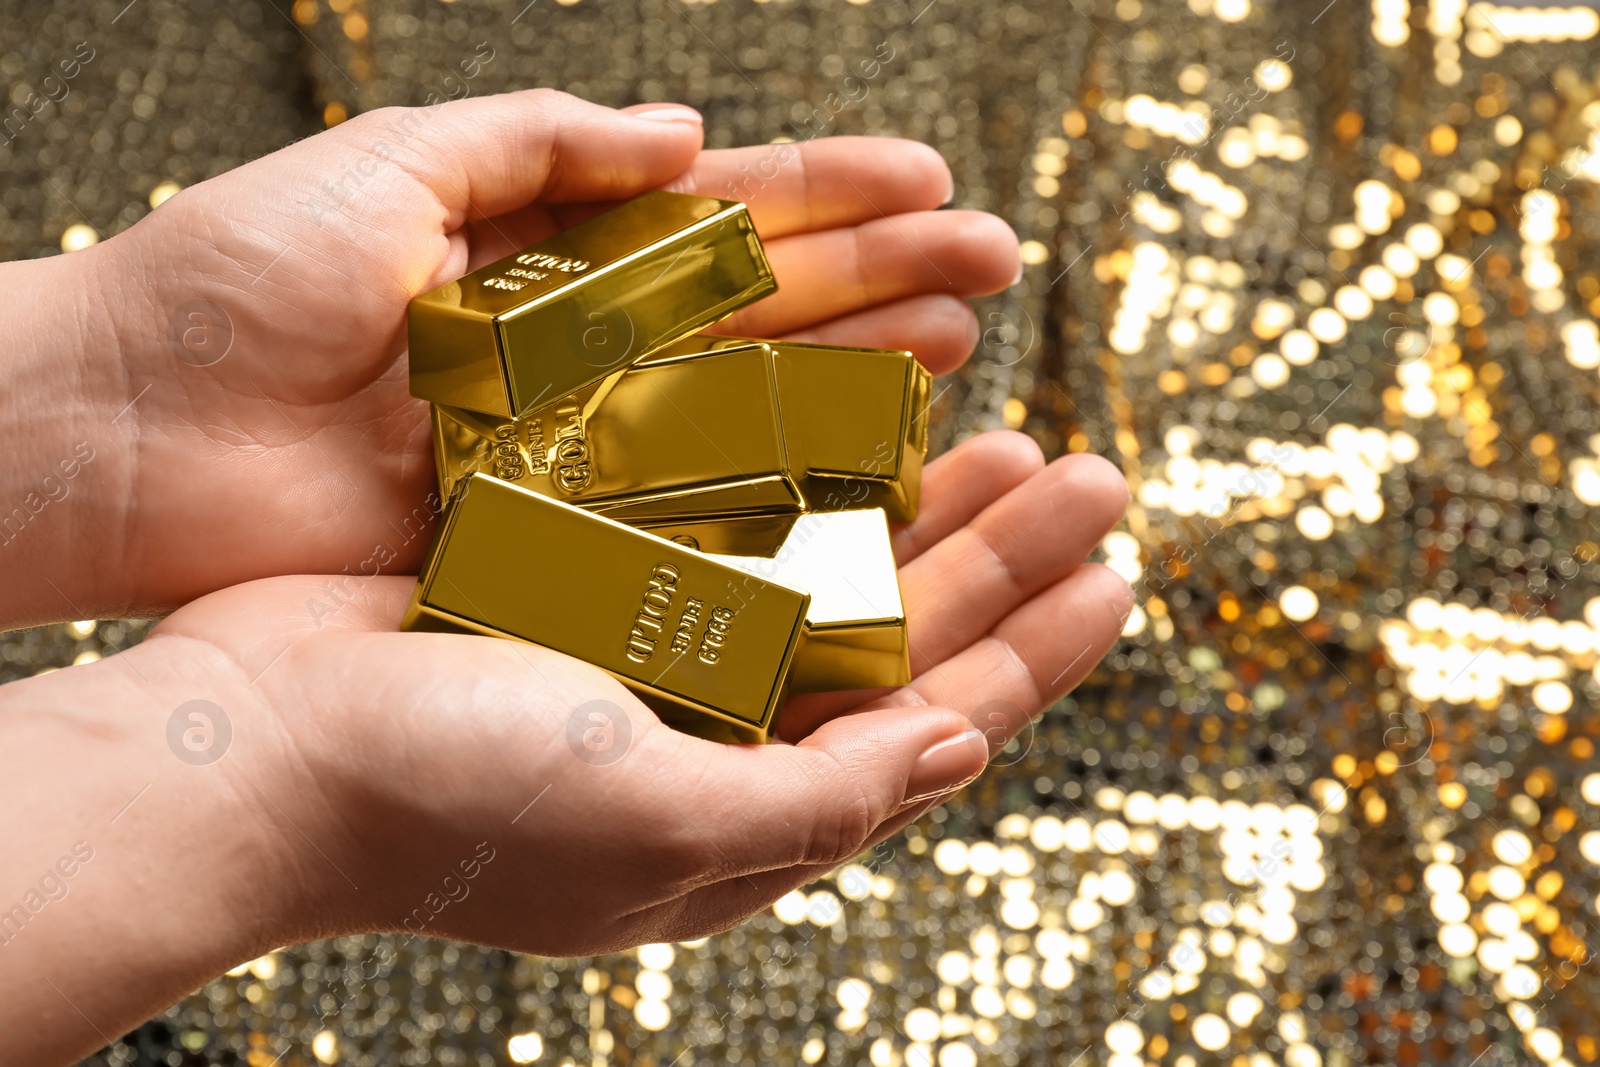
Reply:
x=777, y=806
x=376, y=209
x=483, y=156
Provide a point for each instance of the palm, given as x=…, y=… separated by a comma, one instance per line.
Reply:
x=418, y=746
x=300, y=301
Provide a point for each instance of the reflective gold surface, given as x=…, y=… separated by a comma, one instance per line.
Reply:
x=715, y=429
x=857, y=419
x=688, y=438
x=744, y=535
x=708, y=642
x=536, y=326
x=856, y=626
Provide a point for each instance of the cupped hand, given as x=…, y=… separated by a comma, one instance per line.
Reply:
x=480, y=789
x=255, y=387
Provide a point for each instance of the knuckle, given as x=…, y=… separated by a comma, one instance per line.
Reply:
x=842, y=830
x=552, y=99
x=378, y=116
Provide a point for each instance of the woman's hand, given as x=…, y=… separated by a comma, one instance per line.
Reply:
x=235, y=363
x=484, y=790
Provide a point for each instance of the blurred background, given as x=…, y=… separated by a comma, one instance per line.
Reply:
x=1321, y=278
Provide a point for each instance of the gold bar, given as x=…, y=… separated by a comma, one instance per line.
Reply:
x=668, y=444
x=534, y=327
x=857, y=418
x=856, y=625
x=708, y=644
x=716, y=442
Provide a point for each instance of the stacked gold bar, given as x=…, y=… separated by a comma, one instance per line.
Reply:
x=705, y=518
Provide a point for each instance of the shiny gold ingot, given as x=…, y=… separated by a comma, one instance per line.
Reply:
x=856, y=626
x=857, y=418
x=523, y=332
x=717, y=443
x=670, y=445
x=706, y=644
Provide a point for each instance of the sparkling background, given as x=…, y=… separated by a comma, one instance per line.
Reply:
x=1321, y=280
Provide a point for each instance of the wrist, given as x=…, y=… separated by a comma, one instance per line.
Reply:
x=64, y=490
x=180, y=818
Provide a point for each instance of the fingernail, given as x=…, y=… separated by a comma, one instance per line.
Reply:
x=1018, y=278
x=949, y=193
x=949, y=764
x=669, y=114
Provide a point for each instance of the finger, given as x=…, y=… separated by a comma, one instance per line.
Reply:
x=971, y=579
x=941, y=330
x=403, y=183
x=998, y=684
x=824, y=276
x=530, y=222
x=822, y=184
x=1039, y=652
x=961, y=483
x=1029, y=539
x=723, y=905
x=790, y=188
x=751, y=808
x=483, y=156
x=815, y=185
